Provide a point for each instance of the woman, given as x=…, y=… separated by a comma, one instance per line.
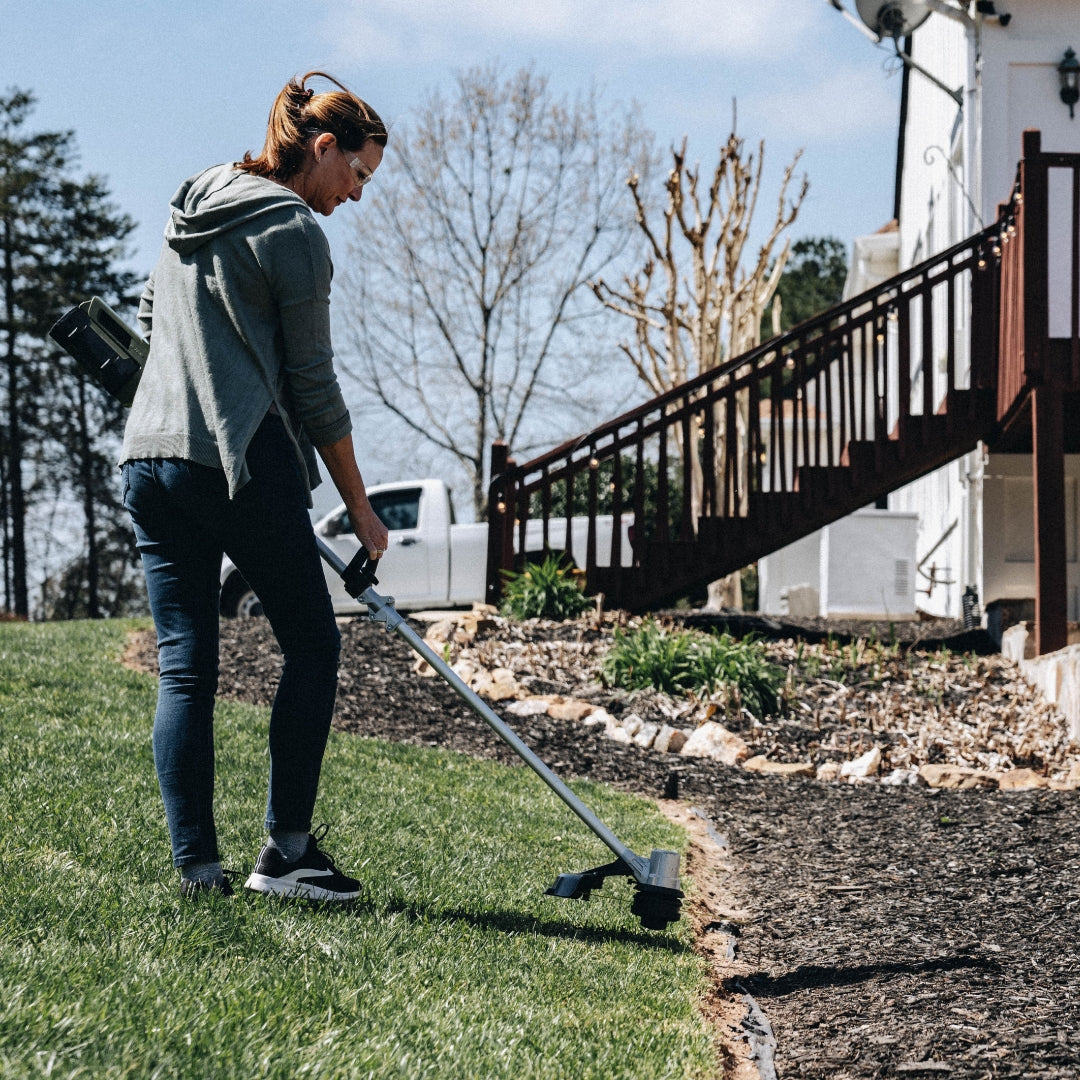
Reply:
x=217, y=458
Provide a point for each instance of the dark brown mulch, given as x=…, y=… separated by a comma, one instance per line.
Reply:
x=891, y=931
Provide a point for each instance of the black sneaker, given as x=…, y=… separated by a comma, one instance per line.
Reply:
x=311, y=877
x=192, y=890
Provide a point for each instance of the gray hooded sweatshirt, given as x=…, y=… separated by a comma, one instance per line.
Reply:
x=237, y=312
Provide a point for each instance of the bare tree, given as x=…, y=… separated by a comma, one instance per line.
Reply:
x=698, y=300
x=491, y=213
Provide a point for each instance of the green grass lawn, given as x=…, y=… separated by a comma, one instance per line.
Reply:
x=453, y=963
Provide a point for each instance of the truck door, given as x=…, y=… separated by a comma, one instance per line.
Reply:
x=404, y=572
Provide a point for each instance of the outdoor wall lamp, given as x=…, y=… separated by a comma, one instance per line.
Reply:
x=1069, y=73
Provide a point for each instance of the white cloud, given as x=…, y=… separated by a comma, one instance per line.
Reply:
x=433, y=29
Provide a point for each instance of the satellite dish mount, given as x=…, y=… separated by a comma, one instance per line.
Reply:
x=898, y=19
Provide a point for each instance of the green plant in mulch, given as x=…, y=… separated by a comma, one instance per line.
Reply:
x=547, y=590
x=681, y=661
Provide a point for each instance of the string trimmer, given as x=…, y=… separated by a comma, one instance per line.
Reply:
x=656, y=879
x=113, y=355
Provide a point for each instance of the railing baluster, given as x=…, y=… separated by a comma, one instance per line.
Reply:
x=950, y=356
x=903, y=371
x=615, y=557
x=731, y=456
x=568, y=536
x=779, y=428
x=754, y=440
x=708, y=459
x=663, y=506
x=590, y=540
x=686, y=515
x=545, y=508
x=639, y=493
x=927, y=358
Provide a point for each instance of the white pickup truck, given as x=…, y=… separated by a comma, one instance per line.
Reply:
x=431, y=562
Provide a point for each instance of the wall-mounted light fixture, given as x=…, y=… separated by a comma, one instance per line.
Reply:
x=1069, y=73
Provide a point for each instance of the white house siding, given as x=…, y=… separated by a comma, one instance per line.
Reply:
x=1017, y=89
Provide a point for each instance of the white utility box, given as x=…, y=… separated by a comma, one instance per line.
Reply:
x=862, y=566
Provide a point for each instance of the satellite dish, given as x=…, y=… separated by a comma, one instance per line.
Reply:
x=893, y=18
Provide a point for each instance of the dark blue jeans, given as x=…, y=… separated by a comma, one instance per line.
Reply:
x=184, y=521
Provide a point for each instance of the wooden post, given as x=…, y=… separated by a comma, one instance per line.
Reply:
x=1047, y=410
x=1035, y=238
x=1048, y=473
x=500, y=540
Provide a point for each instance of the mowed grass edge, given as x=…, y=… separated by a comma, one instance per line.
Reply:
x=453, y=964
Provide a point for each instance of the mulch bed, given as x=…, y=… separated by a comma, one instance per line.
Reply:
x=884, y=931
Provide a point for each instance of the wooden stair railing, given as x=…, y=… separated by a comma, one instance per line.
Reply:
x=770, y=446
x=834, y=414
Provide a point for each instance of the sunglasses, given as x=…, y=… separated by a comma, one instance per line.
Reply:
x=361, y=178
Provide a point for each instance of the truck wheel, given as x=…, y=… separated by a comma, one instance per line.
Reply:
x=238, y=599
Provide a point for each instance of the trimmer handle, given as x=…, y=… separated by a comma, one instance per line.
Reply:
x=359, y=575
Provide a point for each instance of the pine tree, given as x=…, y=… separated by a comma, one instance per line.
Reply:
x=60, y=239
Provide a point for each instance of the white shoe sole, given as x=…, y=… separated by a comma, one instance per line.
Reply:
x=298, y=889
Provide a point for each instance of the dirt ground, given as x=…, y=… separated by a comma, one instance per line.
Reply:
x=853, y=930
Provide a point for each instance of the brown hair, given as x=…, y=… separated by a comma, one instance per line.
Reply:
x=298, y=114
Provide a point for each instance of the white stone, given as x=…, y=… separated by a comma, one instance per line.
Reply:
x=617, y=733
x=862, y=767
x=1057, y=675
x=465, y=670
x=901, y=778
x=599, y=716
x=713, y=740
x=530, y=706
x=1017, y=644
x=646, y=735
x=503, y=687
x=828, y=771
x=669, y=740
x=762, y=764
x=632, y=723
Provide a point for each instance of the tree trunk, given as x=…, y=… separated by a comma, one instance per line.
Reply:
x=86, y=479
x=18, y=598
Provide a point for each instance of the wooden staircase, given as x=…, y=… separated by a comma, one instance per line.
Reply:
x=803, y=430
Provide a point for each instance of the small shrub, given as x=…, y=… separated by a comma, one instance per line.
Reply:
x=674, y=661
x=546, y=590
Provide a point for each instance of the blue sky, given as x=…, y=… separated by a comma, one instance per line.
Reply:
x=156, y=90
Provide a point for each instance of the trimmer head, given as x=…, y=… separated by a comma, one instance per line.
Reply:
x=657, y=898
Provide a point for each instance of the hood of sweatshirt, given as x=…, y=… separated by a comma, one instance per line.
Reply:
x=219, y=199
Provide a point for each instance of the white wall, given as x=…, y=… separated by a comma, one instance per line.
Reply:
x=1021, y=89
x=1008, y=498
x=1011, y=84
x=795, y=566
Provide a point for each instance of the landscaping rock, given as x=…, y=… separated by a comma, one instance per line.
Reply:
x=569, y=709
x=530, y=706
x=645, y=735
x=713, y=740
x=961, y=777
x=778, y=768
x=669, y=740
x=1021, y=780
x=862, y=767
